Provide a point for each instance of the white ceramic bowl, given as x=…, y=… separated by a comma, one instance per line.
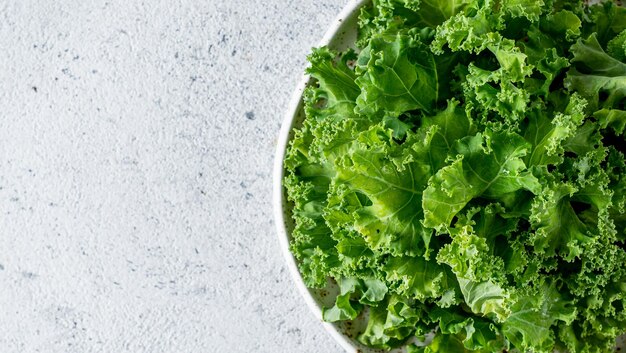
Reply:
x=340, y=36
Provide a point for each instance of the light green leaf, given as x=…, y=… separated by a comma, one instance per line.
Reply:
x=597, y=72
x=417, y=278
x=487, y=165
x=529, y=325
x=486, y=298
x=396, y=75
x=391, y=222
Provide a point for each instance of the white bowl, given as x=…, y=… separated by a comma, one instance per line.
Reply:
x=340, y=36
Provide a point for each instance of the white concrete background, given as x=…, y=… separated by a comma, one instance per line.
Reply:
x=136, y=146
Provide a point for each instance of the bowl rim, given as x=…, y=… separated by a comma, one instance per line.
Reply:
x=293, y=109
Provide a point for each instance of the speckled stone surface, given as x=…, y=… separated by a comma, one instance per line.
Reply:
x=136, y=147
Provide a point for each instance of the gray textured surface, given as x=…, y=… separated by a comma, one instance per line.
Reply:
x=136, y=143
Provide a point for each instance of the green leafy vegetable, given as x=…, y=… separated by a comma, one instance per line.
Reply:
x=396, y=75
x=463, y=172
